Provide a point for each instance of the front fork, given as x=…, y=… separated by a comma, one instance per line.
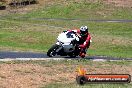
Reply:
x=60, y=47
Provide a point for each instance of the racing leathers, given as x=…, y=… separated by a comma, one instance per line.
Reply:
x=84, y=42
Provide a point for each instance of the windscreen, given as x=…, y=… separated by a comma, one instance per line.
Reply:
x=69, y=35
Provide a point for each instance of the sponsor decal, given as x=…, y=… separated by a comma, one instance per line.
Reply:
x=82, y=78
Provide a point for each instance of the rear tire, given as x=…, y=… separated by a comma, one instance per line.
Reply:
x=72, y=55
x=52, y=51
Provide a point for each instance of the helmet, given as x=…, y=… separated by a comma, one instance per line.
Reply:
x=83, y=31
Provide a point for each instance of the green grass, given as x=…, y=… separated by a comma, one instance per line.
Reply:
x=75, y=63
x=2, y=4
x=109, y=39
x=83, y=10
x=70, y=66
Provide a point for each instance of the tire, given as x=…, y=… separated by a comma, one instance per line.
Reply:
x=81, y=80
x=52, y=51
x=72, y=55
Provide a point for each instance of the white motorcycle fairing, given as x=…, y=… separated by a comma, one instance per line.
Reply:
x=64, y=40
x=66, y=45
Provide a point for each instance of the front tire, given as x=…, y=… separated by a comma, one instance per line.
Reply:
x=52, y=51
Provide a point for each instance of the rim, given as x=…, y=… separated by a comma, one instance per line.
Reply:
x=52, y=53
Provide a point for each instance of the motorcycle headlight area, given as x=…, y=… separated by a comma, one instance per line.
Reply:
x=60, y=42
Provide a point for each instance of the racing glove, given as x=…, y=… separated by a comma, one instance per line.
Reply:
x=64, y=31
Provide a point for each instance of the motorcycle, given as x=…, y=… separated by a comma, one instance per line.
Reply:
x=66, y=45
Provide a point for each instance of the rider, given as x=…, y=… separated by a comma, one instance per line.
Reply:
x=84, y=41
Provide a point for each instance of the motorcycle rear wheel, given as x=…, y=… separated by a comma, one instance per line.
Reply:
x=72, y=55
x=52, y=51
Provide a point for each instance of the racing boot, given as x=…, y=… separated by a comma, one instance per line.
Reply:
x=82, y=54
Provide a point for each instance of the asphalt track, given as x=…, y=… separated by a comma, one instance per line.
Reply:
x=27, y=55
x=42, y=56
x=72, y=19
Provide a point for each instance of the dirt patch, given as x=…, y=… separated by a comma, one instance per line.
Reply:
x=119, y=3
x=43, y=3
x=25, y=75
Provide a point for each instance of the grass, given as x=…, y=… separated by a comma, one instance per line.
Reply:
x=34, y=34
x=116, y=37
x=77, y=63
x=82, y=10
x=37, y=35
x=61, y=73
x=2, y=4
x=85, y=63
x=71, y=66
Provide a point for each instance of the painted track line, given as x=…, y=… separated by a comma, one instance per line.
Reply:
x=28, y=59
x=74, y=19
x=9, y=56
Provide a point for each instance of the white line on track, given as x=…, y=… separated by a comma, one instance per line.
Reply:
x=27, y=59
x=35, y=59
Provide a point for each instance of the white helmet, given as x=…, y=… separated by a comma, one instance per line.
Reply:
x=84, y=30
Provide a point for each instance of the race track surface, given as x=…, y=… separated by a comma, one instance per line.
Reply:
x=43, y=56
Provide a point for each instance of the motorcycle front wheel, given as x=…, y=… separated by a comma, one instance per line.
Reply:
x=52, y=51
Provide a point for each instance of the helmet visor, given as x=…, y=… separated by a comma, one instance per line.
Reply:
x=83, y=33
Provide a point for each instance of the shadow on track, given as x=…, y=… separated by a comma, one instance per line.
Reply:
x=5, y=54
